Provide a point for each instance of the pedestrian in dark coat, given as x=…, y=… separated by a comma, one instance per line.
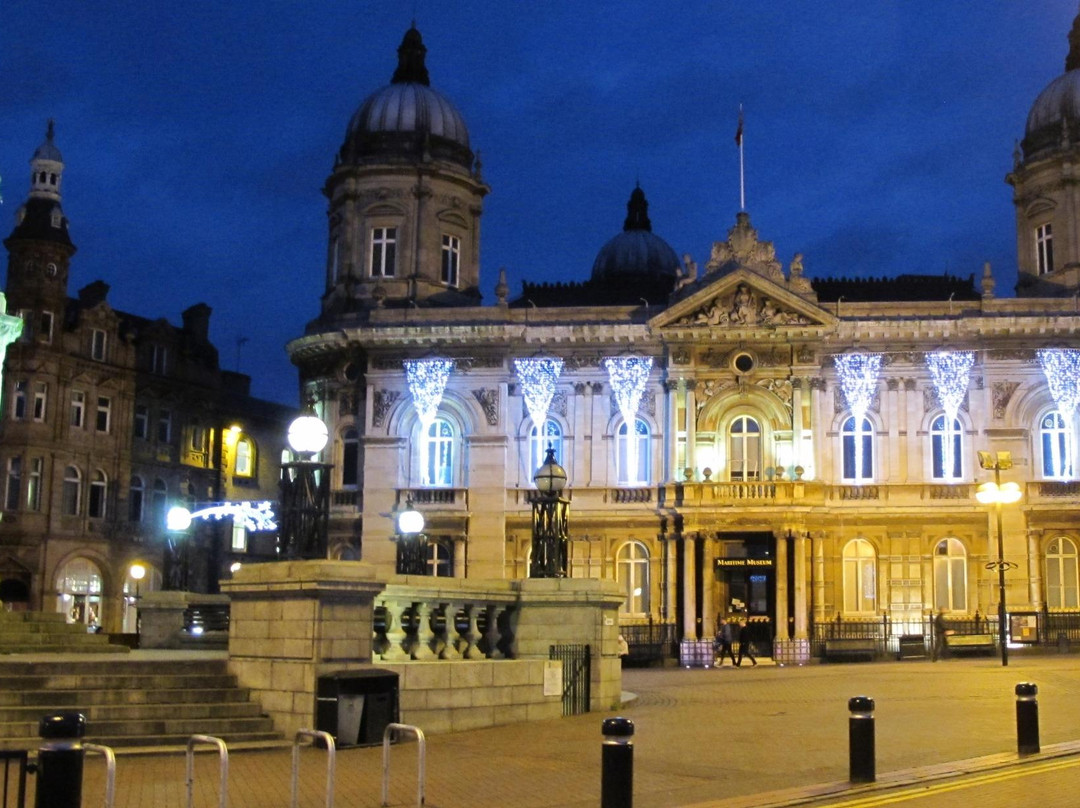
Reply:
x=722, y=644
x=746, y=646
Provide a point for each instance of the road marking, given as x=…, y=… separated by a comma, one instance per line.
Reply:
x=969, y=781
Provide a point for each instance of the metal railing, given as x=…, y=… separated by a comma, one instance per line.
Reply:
x=110, y=770
x=331, y=753
x=421, y=760
x=14, y=781
x=223, y=755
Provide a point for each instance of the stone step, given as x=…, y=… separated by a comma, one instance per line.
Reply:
x=13, y=666
x=133, y=712
x=34, y=617
x=100, y=681
x=65, y=649
x=153, y=741
x=46, y=700
x=177, y=724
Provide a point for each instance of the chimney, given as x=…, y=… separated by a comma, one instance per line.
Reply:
x=197, y=321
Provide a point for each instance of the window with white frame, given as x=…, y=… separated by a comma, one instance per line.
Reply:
x=71, y=493
x=136, y=494
x=863, y=433
x=860, y=577
x=41, y=400
x=451, y=258
x=944, y=435
x=1061, y=574
x=98, y=344
x=239, y=537
x=439, y=469
x=159, y=359
x=633, y=449
x=632, y=569
x=33, y=484
x=950, y=576
x=383, y=251
x=14, y=483
x=245, y=457
x=350, y=458
x=18, y=405
x=96, y=504
x=77, y=415
x=141, y=422
x=1044, y=248
x=744, y=449
x=539, y=439
x=440, y=559
x=104, y=414
x=1056, y=440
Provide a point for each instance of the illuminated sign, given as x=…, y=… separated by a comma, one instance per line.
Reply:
x=744, y=562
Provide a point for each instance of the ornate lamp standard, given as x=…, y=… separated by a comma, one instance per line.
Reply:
x=305, y=492
x=550, y=521
x=411, y=555
x=999, y=495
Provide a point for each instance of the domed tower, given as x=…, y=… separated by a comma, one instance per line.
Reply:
x=1045, y=189
x=39, y=248
x=405, y=199
x=637, y=261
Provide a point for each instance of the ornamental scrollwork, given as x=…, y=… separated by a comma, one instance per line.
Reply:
x=384, y=400
x=489, y=402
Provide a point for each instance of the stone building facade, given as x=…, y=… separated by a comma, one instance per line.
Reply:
x=760, y=472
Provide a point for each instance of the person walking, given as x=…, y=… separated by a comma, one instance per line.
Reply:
x=723, y=642
x=940, y=631
x=746, y=645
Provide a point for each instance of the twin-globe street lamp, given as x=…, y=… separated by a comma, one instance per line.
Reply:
x=550, y=520
x=411, y=551
x=305, y=492
x=997, y=494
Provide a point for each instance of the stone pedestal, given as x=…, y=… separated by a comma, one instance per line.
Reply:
x=161, y=617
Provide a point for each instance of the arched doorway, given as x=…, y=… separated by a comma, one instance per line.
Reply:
x=78, y=592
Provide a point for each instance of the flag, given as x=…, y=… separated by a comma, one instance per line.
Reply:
x=738, y=132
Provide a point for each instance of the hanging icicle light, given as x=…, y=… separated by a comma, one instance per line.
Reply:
x=858, y=374
x=628, y=376
x=1061, y=366
x=950, y=372
x=427, y=382
x=538, y=377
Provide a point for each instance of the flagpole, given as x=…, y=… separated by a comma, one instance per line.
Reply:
x=742, y=174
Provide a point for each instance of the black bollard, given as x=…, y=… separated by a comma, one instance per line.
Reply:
x=1027, y=718
x=60, y=761
x=617, y=764
x=862, y=766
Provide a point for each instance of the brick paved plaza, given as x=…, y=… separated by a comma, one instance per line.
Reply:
x=702, y=737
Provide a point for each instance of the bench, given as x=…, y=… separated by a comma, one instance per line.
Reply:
x=911, y=645
x=850, y=649
x=970, y=643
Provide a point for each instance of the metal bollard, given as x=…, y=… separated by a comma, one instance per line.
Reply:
x=862, y=766
x=60, y=761
x=1027, y=718
x=617, y=764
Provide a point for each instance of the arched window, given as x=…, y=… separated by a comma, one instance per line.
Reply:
x=744, y=449
x=849, y=434
x=135, y=499
x=159, y=498
x=642, y=461
x=99, y=486
x=71, y=493
x=940, y=438
x=350, y=458
x=78, y=588
x=632, y=569
x=950, y=576
x=440, y=560
x=860, y=576
x=439, y=468
x=1057, y=446
x=245, y=457
x=538, y=443
x=1061, y=575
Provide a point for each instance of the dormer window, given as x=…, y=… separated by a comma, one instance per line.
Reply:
x=159, y=359
x=1044, y=248
x=97, y=345
x=451, y=259
x=57, y=217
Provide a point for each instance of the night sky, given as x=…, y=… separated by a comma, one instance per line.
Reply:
x=197, y=136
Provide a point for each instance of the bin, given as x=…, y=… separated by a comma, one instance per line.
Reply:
x=356, y=706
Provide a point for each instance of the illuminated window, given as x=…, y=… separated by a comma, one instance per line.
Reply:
x=439, y=469
x=632, y=569
x=860, y=577
x=848, y=436
x=1056, y=440
x=1044, y=248
x=71, y=493
x=940, y=437
x=539, y=440
x=350, y=458
x=744, y=442
x=99, y=486
x=104, y=414
x=245, y=457
x=98, y=343
x=41, y=396
x=78, y=409
x=33, y=486
x=451, y=257
x=383, y=251
x=135, y=499
x=950, y=576
x=14, y=483
x=635, y=454
x=239, y=537
x=1061, y=574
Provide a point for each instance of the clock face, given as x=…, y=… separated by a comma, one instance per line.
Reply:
x=50, y=270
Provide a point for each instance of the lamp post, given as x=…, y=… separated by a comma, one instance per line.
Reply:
x=550, y=520
x=137, y=573
x=410, y=556
x=999, y=495
x=305, y=492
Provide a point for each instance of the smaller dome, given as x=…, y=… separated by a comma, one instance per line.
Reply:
x=636, y=251
x=1055, y=115
x=48, y=150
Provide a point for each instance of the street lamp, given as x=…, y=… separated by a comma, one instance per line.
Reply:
x=137, y=573
x=550, y=520
x=999, y=495
x=411, y=554
x=305, y=492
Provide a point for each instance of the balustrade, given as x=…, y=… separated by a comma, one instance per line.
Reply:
x=412, y=623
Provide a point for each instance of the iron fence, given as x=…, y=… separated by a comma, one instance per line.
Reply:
x=576, y=669
x=650, y=641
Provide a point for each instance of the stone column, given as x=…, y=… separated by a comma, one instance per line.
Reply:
x=671, y=546
x=800, y=586
x=460, y=545
x=691, y=426
x=689, y=545
x=821, y=423
x=895, y=422
x=1035, y=579
x=797, y=423
x=582, y=433
x=781, y=585
x=913, y=414
x=708, y=587
x=671, y=427
x=819, y=577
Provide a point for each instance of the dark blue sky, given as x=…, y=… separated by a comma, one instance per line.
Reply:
x=197, y=136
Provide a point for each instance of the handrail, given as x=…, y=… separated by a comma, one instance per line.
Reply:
x=326, y=738
x=110, y=770
x=422, y=744
x=223, y=755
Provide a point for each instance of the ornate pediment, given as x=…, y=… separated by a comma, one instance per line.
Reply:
x=743, y=306
x=742, y=250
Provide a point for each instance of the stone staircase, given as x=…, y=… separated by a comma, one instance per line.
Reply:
x=49, y=633
x=158, y=700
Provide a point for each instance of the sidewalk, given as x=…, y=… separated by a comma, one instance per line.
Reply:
x=704, y=738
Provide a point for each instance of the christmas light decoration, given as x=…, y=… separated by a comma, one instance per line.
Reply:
x=950, y=372
x=538, y=377
x=427, y=383
x=254, y=516
x=1061, y=366
x=858, y=374
x=628, y=376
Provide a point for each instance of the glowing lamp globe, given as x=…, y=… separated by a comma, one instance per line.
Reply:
x=308, y=435
x=550, y=478
x=137, y=571
x=410, y=520
x=178, y=518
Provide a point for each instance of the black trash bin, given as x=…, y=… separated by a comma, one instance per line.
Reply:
x=356, y=706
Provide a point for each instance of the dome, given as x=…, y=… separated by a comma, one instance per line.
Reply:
x=636, y=251
x=1055, y=115
x=407, y=118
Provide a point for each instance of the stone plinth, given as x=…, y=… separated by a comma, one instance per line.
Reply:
x=294, y=621
x=161, y=617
